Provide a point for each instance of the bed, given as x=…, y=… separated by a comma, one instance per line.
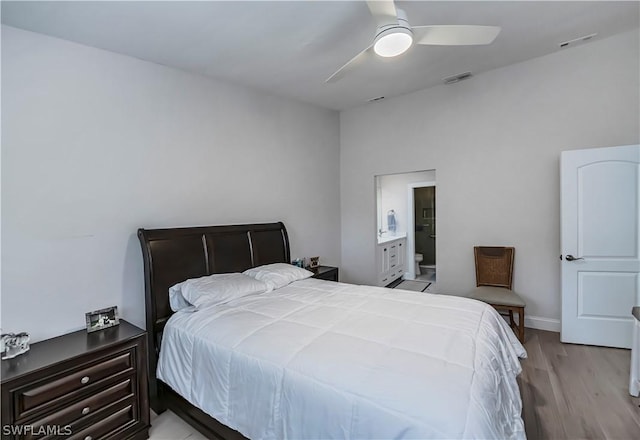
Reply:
x=319, y=359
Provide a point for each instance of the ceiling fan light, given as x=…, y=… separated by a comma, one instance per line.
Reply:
x=393, y=42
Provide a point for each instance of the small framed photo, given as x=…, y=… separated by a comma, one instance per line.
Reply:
x=101, y=319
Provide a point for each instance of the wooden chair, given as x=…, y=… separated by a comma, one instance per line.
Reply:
x=494, y=275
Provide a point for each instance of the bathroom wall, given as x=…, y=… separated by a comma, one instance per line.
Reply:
x=393, y=193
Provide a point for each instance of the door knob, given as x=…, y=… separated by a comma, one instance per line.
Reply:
x=572, y=258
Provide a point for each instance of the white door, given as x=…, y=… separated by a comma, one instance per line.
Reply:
x=600, y=240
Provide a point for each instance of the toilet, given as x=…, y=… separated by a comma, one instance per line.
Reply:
x=418, y=259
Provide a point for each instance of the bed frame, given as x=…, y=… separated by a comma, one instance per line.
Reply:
x=174, y=255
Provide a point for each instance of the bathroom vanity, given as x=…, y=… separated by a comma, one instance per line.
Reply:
x=391, y=255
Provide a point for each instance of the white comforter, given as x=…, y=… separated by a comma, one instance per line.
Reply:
x=318, y=359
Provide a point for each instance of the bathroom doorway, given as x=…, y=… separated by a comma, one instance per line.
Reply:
x=396, y=219
x=422, y=203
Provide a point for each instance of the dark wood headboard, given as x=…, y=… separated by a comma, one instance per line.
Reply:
x=174, y=255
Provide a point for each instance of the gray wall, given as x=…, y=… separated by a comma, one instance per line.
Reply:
x=495, y=142
x=96, y=145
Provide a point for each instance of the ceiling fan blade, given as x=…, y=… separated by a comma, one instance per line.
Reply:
x=384, y=11
x=351, y=64
x=455, y=35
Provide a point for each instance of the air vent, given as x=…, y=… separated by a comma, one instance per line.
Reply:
x=457, y=78
x=379, y=98
x=576, y=41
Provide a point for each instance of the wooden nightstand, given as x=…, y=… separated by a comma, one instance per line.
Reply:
x=328, y=273
x=79, y=386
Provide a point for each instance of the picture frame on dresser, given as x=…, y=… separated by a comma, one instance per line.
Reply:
x=101, y=319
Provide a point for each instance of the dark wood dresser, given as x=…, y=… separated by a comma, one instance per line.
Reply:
x=328, y=273
x=84, y=386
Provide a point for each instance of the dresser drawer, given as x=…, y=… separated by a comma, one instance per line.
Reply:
x=81, y=413
x=39, y=396
x=121, y=417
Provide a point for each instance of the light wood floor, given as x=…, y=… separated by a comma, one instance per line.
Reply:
x=576, y=391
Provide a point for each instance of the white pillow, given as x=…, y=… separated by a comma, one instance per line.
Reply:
x=278, y=275
x=213, y=289
x=176, y=300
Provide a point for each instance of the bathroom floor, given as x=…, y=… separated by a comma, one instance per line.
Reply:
x=427, y=273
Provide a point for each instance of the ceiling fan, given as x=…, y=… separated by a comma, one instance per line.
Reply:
x=394, y=35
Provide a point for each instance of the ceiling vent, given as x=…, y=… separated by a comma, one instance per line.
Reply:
x=379, y=98
x=576, y=41
x=457, y=78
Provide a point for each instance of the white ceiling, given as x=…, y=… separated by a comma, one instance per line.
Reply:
x=290, y=48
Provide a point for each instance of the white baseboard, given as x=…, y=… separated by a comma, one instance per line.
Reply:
x=540, y=323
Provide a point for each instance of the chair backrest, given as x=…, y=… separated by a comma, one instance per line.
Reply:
x=494, y=265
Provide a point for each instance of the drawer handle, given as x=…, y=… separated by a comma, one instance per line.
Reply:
x=85, y=410
x=84, y=380
x=88, y=438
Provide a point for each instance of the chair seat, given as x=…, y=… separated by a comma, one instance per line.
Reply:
x=498, y=296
